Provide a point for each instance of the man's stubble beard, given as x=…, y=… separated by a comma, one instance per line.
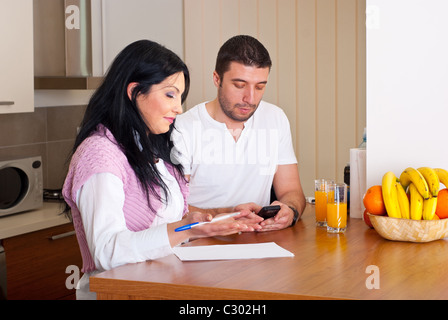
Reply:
x=230, y=111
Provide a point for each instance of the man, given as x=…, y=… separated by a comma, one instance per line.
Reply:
x=236, y=147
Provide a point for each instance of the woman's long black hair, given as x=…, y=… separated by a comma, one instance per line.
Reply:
x=147, y=63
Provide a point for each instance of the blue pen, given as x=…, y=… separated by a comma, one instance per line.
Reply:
x=197, y=224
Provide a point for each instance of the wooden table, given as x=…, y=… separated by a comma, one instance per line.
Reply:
x=325, y=266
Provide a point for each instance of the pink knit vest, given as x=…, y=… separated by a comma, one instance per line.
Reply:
x=100, y=153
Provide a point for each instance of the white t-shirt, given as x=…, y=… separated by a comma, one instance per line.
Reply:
x=226, y=173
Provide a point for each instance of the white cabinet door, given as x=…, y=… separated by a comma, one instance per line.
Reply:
x=127, y=21
x=16, y=56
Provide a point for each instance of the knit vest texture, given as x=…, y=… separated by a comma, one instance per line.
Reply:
x=100, y=153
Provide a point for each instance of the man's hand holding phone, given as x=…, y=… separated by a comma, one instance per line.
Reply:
x=268, y=218
x=277, y=216
x=269, y=211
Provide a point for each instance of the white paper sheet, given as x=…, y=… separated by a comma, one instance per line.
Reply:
x=232, y=251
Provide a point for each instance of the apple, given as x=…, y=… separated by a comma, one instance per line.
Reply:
x=367, y=219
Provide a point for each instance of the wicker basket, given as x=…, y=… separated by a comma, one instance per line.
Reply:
x=410, y=230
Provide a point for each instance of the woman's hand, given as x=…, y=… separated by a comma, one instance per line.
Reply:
x=249, y=215
x=224, y=227
x=220, y=228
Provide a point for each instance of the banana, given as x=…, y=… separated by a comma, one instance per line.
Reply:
x=403, y=201
x=412, y=175
x=390, y=195
x=443, y=176
x=432, y=179
x=416, y=207
x=429, y=208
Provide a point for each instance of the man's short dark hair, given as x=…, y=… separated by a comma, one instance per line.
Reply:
x=243, y=49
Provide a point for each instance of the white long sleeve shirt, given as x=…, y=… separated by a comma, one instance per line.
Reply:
x=100, y=202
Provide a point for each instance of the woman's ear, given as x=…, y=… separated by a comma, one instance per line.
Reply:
x=131, y=88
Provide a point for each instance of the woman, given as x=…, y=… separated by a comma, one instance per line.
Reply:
x=126, y=196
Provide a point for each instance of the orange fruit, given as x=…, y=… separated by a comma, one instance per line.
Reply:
x=442, y=204
x=373, y=201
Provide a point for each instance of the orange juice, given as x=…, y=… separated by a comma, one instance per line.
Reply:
x=337, y=215
x=337, y=207
x=320, y=202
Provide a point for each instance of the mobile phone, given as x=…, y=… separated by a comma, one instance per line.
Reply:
x=269, y=211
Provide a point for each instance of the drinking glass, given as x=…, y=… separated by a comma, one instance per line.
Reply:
x=320, y=201
x=337, y=208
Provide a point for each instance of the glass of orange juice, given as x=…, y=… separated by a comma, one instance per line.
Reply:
x=320, y=201
x=337, y=208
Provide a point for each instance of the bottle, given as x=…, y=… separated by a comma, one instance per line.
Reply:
x=347, y=174
x=364, y=140
x=347, y=182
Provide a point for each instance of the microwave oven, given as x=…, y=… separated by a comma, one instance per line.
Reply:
x=21, y=185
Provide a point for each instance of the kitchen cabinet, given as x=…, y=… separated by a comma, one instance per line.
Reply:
x=127, y=21
x=16, y=56
x=63, y=44
x=36, y=263
x=76, y=41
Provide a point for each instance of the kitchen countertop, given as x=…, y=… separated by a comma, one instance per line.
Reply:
x=358, y=264
x=20, y=223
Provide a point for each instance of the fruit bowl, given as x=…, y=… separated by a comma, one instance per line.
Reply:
x=409, y=230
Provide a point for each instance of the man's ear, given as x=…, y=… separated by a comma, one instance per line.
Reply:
x=216, y=79
x=130, y=89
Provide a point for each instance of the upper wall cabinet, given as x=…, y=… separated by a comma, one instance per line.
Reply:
x=63, y=44
x=16, y=56
x=77, y=40
x=126, y=21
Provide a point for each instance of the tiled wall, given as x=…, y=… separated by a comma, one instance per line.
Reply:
x=48, y=132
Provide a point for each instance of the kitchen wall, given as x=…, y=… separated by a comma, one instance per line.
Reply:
x=407, y=104
x=318, y=73
x=48, y=132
